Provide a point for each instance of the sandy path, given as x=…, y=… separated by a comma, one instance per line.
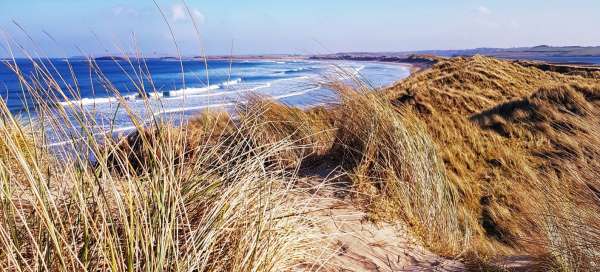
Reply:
x=361, y=245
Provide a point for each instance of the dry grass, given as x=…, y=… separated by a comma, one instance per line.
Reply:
x=19, y=140
x=150, y=202
x=481, y=158
x=394, y=166
x=521, y=145
x=309, y=131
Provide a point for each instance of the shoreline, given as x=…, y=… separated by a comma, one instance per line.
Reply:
x=414, y=62
x=407, y=70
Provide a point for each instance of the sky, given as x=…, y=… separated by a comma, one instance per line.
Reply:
x=75, y=27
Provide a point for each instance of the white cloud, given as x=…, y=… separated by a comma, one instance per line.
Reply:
x=484, y=10
x=179, y=13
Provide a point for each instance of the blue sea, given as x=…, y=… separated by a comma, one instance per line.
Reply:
x=171, y=93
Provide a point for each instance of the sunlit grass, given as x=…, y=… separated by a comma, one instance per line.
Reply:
x=480, y=158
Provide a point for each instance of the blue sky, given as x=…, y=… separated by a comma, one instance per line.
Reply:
x=307, y=26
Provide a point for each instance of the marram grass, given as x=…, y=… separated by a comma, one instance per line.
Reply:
x=481, y=158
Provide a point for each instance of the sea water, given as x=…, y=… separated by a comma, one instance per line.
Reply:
x=90, y=87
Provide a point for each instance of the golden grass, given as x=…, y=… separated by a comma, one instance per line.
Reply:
x=521, y=145
x=481, y=158
x=167, y=215
x=148, y=202
x=394, y=166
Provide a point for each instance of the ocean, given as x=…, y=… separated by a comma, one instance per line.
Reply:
x=177, y=95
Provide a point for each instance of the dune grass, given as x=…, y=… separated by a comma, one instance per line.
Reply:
x=481, y=158
x=166, y=217
x=521, y=146
x=148, y=202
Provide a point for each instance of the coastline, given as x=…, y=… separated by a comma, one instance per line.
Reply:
x=414, y=62
x=450, y=123
x=396, y=73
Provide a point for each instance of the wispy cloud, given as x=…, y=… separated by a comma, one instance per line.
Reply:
x=179, y=13
x=484, y=10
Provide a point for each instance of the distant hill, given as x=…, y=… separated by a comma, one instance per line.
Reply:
x=536, y=51
x=541, y=52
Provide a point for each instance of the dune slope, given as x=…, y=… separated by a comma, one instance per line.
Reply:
x=521, y=145
x=474, y=163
